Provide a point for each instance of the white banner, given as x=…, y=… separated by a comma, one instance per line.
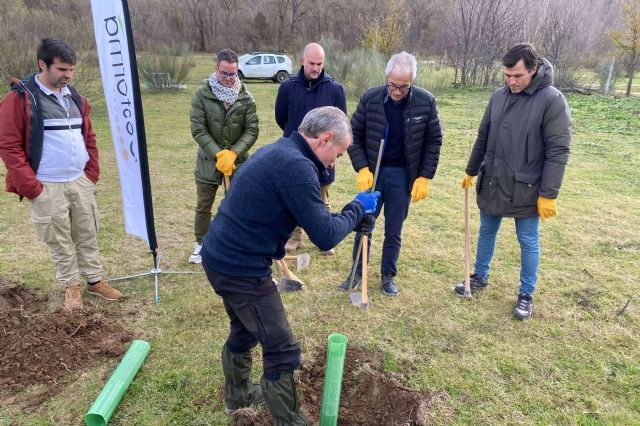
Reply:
x=122, y=94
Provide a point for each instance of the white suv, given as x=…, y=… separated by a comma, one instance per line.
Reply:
x=263, y=65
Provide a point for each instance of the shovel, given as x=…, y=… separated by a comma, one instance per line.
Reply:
x=302, y=260
x=467, y=247
x=361, y=299
x=288, y=281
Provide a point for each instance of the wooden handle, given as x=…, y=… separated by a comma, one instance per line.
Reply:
x=375, y=172
x=288, y=274
x=227, y=182
x=365, y=243
x=285, y=268
x=278, y=265
x=467, y=243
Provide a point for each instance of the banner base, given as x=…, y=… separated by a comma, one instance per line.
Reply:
x=155, y=271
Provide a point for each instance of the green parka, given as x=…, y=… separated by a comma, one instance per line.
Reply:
x=215, y=129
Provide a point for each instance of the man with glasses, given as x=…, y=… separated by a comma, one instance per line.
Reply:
x=311, y=88
x=406, y=118
x=519, y=157
x=224, y=124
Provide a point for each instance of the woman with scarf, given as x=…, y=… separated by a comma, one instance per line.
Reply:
x=224, y=124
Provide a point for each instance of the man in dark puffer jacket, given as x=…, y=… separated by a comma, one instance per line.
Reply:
x=406, y=117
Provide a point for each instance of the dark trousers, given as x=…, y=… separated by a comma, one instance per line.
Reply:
x=393, y=184
x=256, y=315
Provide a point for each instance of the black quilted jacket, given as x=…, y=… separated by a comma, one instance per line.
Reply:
x=422, y=132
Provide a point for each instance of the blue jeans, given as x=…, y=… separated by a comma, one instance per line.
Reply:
x=528, y=231
x=393, y=184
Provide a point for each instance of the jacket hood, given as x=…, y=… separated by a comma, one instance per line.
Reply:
x=29, y=84
x=543, y=78
x=20, y=85
x=322, y=78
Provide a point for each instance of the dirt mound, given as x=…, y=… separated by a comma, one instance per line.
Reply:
x=13, y=296
x=40, y=347
x=368, y=396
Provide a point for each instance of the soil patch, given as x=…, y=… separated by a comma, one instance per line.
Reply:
x=368, y=396
x=40, y=347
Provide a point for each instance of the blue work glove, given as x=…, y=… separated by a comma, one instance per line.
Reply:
x=366, y=225
x=369, y=201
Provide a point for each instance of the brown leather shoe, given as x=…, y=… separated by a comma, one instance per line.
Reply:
x=330, y=252
x=104, y=290
x=73, y=297
x=295, y=241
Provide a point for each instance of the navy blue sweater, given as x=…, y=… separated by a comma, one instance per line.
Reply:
x=276, y=188
x=297, y=96
x=393, y=154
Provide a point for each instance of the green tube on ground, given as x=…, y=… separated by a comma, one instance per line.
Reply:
x=336, y=351
x=106, y=403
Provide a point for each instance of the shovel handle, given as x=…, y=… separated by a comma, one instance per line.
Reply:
x=227, y=182
x=365, y=277
x=276, y=263
x=467, y=245
x=375, y=172
x=290, y=275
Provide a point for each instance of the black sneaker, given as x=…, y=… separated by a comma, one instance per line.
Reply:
x=476, y=283
x=356, y=283
x=524, y=307
x=389, y=287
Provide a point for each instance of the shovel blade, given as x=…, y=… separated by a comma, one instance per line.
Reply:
x=302, y=261
x=356, y=299
x=286, y=285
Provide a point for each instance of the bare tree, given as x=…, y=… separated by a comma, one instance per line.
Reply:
x=422, y=16
x=204, y=20
x=628, y=40
x=476, y=33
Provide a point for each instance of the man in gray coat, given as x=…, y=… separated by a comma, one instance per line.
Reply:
x=519, y=158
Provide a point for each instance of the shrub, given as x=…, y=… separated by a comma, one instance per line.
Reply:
x=18, y=47
x=166, y=69
x=358, y=70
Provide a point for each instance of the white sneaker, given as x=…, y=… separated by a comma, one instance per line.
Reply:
x=195, y=255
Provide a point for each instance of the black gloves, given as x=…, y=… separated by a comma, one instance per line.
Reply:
x=366, y=225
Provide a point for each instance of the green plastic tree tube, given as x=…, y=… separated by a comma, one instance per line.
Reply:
x=336, y=350
x=106, y=403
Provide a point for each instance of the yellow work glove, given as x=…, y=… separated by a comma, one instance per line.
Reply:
x=468, y=181
x=225, y=161
x=364, y=179
x=420, y=189
x=547, y=207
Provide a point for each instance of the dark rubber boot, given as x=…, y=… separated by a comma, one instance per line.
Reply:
x=239, y=391
x=283, y=402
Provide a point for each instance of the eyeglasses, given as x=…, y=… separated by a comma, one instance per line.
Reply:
x=401, y=89
x=227, y=74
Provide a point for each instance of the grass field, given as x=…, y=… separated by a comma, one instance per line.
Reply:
x=576, y=362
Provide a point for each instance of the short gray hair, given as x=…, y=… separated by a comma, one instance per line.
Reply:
x=326, y=119
x=403, y=60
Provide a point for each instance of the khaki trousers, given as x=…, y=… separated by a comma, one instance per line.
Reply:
x=206, y=196
x=65, y=216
